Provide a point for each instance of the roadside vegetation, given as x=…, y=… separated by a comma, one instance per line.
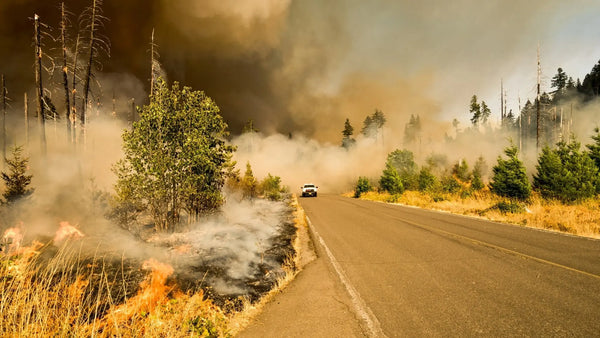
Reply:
x=564, y=195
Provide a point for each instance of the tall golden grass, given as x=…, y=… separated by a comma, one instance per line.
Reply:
x=47, y=291
x=66, y=295
x=581, y=219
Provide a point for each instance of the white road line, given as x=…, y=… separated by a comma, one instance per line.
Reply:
x=359, y=304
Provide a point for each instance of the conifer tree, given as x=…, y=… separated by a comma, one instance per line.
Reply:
x=16, y=179
x=348, y=140
x=249, y=183
x=509, y=176
x=566, y=173
x=390, y=181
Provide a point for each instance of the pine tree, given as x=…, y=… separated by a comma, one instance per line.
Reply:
x=509, y=176
x=594, y=148
x=362, y=185
x=475, y=109
x=461, y=170
x=249, y=184
x=485, y=112
x=566, y=173
x=347, y=140
x=427, y=180
x=16, y=180
x=390, y=181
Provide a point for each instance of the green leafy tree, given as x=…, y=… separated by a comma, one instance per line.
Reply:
x=390, y=181
x=271, y=188
x=363, y=185
x=404, y=163
x=509, y=177
x=566, y=173
x=16, y=179
x=176, y=157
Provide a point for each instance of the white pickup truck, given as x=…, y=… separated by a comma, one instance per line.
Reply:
x=309, y=189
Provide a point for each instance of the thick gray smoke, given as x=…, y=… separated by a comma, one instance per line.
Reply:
x=304, y=66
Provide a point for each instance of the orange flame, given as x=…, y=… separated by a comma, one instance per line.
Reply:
x=152, y=293
x=66, y=230
x=13, y=237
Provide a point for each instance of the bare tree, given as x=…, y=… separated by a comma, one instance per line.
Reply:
x=153, y=66
x=65, y=68
x=26, y=110
x=94, y=21
x=73, y=116
x=3, y=118
x=38, y=82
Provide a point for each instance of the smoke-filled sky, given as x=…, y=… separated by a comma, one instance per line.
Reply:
x=303, y=66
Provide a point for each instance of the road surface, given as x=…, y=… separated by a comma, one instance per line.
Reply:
x=412, y=272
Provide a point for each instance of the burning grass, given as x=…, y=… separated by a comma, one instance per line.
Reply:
x=59, y=287
x=581, y=219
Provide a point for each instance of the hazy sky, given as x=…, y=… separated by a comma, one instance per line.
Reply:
x=303, y=66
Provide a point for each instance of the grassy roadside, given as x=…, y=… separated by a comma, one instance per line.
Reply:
x=69, y=295
x=582, y=219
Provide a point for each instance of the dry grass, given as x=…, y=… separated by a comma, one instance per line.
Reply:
x=64, y=296
x=581, y=219
x=48, y=291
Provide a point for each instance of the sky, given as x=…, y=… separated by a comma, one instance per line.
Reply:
x=304, y=66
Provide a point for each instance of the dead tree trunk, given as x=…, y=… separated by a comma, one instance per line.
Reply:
x=3, y=119
x=90, y=64
x=65, y=69
x=152, y=65
x=26, y=109
x=538, y=113
x=73, y=120
x=38, y=83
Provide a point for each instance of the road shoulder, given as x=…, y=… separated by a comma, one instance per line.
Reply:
x=314, y=304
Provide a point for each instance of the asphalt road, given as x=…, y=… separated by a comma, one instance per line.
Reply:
x=423, y=273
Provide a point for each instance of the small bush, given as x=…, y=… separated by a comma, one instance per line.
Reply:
x=390, y=180
x=271, y=188
x=362, y=185
x=509, y=207
x=477, y=182
x=450, y=185
x=427, y=180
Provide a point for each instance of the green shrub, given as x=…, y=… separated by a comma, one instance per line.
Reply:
x=362, y=185
x=271, y=188
x=427, y=181
x=390, y=181
x=450, y=185
x=509, y=207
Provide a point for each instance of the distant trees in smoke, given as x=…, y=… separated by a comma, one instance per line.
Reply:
x=372, y=128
